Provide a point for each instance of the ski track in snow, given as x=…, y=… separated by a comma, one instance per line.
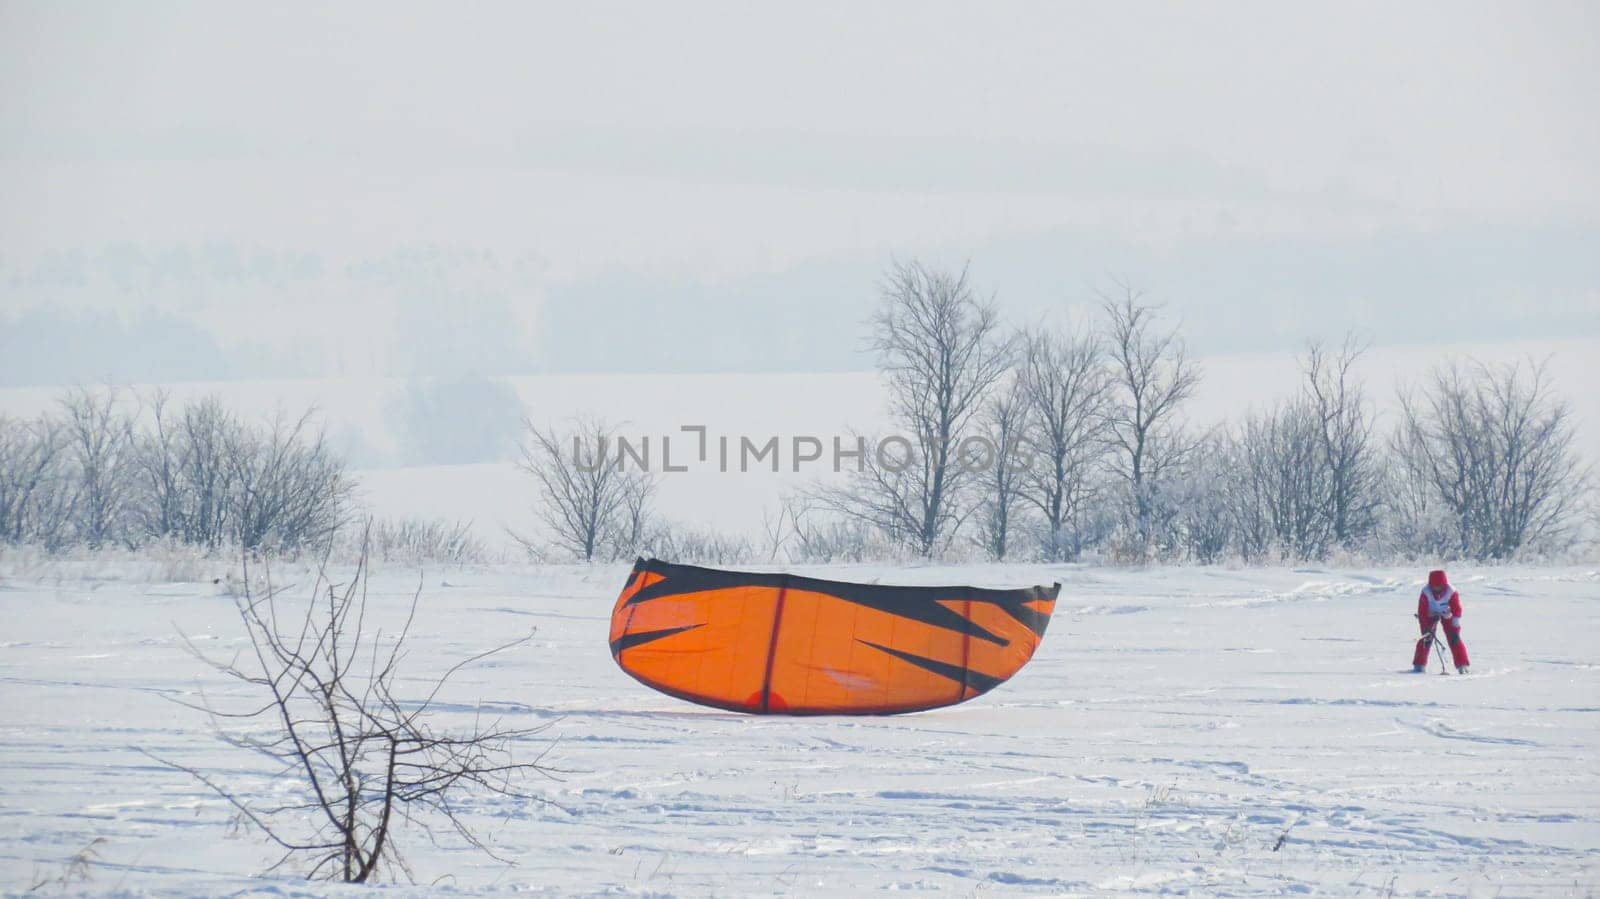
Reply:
x=1201, y=731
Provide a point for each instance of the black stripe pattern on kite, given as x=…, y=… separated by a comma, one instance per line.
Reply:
x=977, y=680
x=920, y=604
x=628, y=641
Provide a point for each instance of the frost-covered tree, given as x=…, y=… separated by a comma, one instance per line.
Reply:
x=1067, y=387
x=1152, y=377
x=1348, y=454
x=1202, y=497
x=197, y=475
x=941, y=351
x=99, y=445
x=592, y=503
x=184, y=472
x=1491, y=463
x=36, y=490
x=290, y=491
x=1002, y=460
x=158, y=509
x=207, y=435
x=1278, y=484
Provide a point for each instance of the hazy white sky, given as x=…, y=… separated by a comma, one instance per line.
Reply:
x=686, y=150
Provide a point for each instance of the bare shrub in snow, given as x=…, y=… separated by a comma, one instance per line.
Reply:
x=99, y=447
x=594, y=503
x=75, y=870
x=817, y=536
x=177, y=562
x=776, y=530
x=157, y=473
x=37, y=496
x=634, y=519
x=417, y=541
x=687, y=543
x=201, y=476
x=207, y=436
x=291, y=492
x=359, y=753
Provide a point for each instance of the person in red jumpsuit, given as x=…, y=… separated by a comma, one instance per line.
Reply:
x=1439, y=604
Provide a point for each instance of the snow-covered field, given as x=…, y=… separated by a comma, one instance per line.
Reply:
x=1210, y=731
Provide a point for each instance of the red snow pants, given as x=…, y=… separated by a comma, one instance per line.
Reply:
x=1452, y=635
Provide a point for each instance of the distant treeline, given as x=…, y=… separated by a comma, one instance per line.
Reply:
x=1037, y=444
x=1059, y=445
x=87, y=473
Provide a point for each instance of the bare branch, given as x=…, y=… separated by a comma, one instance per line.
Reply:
x=343, y=733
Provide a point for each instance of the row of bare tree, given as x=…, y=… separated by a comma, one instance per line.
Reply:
x=1480, y=463
x=98, y=473
x=1084, y=448
x=1082, y=439
x=1094, y=450
x=1082, y=433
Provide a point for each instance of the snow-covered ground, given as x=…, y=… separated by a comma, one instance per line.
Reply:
x=1202, y=730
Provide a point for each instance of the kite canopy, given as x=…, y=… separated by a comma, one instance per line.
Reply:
x=784, y=644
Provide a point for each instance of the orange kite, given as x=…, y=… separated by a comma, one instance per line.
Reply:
x=785, y=644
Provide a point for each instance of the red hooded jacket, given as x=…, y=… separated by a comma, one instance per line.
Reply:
x=1444, y=604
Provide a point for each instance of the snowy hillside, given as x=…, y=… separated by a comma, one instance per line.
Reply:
x=1215, y=731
